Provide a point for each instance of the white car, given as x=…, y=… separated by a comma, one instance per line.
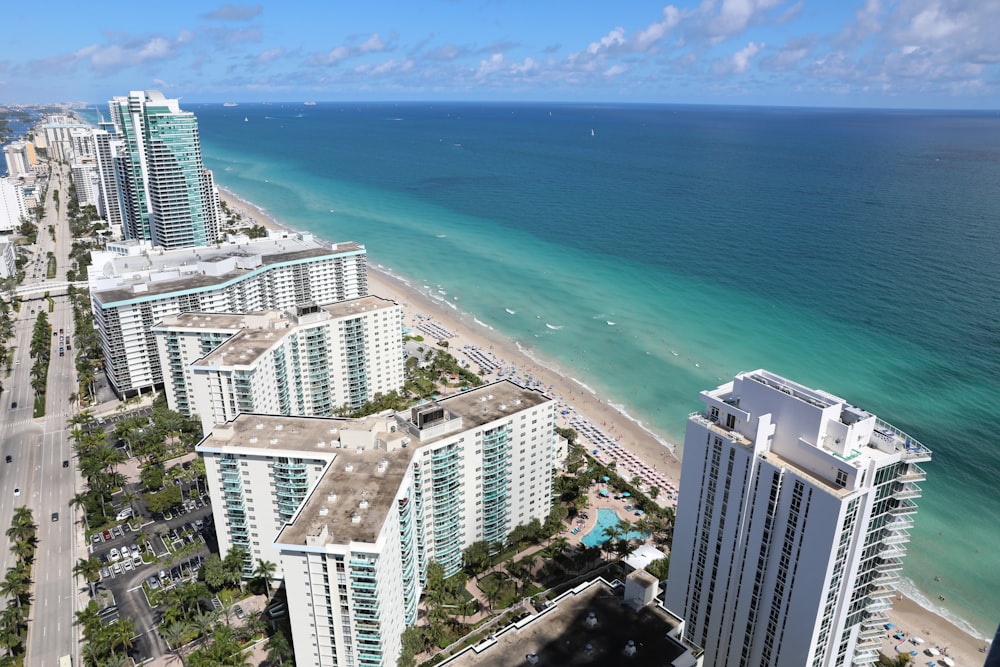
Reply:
x=135, y=551
x=115, y=555
x=17, y=492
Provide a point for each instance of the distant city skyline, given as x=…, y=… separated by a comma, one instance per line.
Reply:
x=860, y=53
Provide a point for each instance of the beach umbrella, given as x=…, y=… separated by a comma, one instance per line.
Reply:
x=606, y=478
x=627, y=494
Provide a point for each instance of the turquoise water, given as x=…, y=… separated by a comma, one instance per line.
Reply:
x=853, y=251
x=607, y=519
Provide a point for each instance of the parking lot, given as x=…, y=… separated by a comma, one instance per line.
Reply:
x=171, y=552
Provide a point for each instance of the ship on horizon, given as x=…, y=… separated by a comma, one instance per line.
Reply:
x=309, y=104
x=230, y=104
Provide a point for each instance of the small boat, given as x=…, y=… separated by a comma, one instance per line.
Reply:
x=309, y=104
x=230, y=104
x=591, y=132
x=245, y=119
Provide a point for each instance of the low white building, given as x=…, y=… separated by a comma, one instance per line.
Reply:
x=311, y=362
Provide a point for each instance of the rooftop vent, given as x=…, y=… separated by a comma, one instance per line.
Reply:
x=274, y=440
x=591, y=620
x=253, y=440
x=630, y=648
x=382, y=465
x=321, y=444
x=278, y=427
x=260, y=425
x=349, y=467
x=355, y=518
x=363, y=505
x=331, y=497
x=532, y=658
x=324, y=510
x=503, y=406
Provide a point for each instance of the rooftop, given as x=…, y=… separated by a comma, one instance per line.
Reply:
x=479, y=406
x=320, y=435
x=351, y=501
x=561, y=635
x=116, y=278
x=258, y=332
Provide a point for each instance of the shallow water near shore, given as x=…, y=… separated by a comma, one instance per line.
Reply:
x=853, y=251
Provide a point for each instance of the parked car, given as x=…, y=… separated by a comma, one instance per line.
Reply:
x=55, y=516
x=107, y=535
x=114, y=554
x=238, y=610
x=65, y=463
x=9, y=459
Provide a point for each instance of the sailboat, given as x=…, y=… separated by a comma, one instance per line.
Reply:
x=591, y=132
x=245, y=119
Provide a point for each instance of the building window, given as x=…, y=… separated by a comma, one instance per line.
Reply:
x=841, y=478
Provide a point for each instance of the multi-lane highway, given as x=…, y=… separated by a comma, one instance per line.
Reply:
x=38, y=447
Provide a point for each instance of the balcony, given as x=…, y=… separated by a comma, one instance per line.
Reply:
x=889, y=565
x=869, y=644
x=893, y=551
x=868, y=657
x=881, y=592
x=913, y=474
x=872, y=632
x=905, y=507
x=896, y=537
x=908, y=490
x=877, y=605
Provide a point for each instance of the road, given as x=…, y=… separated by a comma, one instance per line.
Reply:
x=38, y=448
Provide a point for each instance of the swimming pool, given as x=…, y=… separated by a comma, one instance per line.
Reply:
x=605, y=519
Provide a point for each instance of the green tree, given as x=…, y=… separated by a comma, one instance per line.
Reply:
x=279, y=649
x=265, y=572
x=477, y=557
x=89, y=569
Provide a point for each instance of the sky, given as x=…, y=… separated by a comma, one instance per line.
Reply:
x=836, y=53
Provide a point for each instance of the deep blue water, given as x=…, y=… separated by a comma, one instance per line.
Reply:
x=853, y=251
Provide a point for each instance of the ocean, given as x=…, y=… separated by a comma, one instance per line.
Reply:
x=651, y=252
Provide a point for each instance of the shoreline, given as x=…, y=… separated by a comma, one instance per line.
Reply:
x=632, y=436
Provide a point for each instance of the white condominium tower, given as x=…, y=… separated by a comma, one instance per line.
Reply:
x=311, y=362
x=379, y=499
x=169, y=197
x=132, y=292
x=791, y=524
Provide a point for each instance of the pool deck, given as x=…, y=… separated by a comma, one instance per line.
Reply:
x=594, y=503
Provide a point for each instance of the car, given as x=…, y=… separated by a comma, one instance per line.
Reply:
x=107, y=536
x=115, y=555
x=199, y=524
x=198, y=504
x=105, y=572
x=135, y=550
x=13, y=405
x=153, y=583
x=175, y=573
x=127, y=565
x=117, y=568
x=9, y=458
x=96, y=538
x=55, y=516
x=17, y=492
x=65, y=463
x=238, y=610
x=118, y=532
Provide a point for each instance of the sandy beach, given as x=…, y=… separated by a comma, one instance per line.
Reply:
x=612, y=433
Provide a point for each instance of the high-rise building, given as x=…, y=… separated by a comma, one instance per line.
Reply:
x=132, y=292
x=791, y=525
x=20, y=158
x=169, y=197
x=363, y=505
x=107, y=147
x=310, y=362
x=13, y=205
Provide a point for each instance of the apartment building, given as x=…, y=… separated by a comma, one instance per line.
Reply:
x=130, y=293
x=386, y=495
x=310, y=362
x=791, y=525
x=168, y=197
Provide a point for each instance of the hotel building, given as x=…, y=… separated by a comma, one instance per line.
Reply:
x=130, y=293
x=310, y=362
x=168, y=196
x=380, y=498
x=791, y=525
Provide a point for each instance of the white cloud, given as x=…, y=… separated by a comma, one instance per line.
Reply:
x=614, y=38
x=270, y=54
x=741, y=59
x=489, y=66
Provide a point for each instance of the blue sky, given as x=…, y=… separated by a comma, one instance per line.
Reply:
x=872, y=53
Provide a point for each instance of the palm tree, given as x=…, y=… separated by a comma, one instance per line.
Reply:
x=265, y=570
x=90, y=570
x=174, y=635
x=278, y=649
x=122, y=631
